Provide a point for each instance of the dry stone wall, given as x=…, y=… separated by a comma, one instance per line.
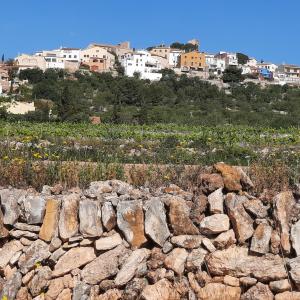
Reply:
x=115, y=241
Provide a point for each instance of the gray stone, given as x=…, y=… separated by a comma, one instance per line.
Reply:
x=68, y=221
x=11, y=287
x=8, y=251
x=155, y=221
x=35, y=253
x=55, y=244
x=195, y=259
x=261, y=239
x=131, y=265
x=236, y=261
x=97, y=188
x=256, y=208
x=104, y=266
x=34, y=209
x=26, y=234
x=109, y=217
x=15, y=258
x=40, y=281
x=90, y=218
x=214, y=224
x=109, y=242
x=27, y=227
x=9, y=205
x=74, y=258
x=280, y=286
x=295, y=237
x=242, y=223
x=81, y=291
x=216, y=200
x=295, y=271
x=57, y=254
x=130, y=218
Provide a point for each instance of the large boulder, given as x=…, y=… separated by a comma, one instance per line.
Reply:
x=90, y=218
x=74, y=258
x=33, y=207
x=68, y=221
x=50, y=223
x=155, y=221
x=283, y=208
x=131, y=222
x=236, y=261
x=242, y=223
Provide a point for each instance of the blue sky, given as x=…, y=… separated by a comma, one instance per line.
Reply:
x=265, y=29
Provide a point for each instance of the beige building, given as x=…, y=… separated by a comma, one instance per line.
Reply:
x=26, y=61
x=170, y=54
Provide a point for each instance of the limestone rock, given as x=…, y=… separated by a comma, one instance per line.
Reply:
x=55, y=288
x=90, y=218
x=232, y=281
x=9, y=204
x=218, y=291
x=176, y=260
x=131, y=222
x=35, y=253
x=97, y=188
x=288, y=295
x=179, y=218
x=104, y=266
x=295, y=237
x=162, y=290
x=236, y=262
x=216, y=200
x=3, y=231
x=247, y=281
x=74, y=258
x=68, y=221
x=256, y=208
x=199, y=207
x=65, y=295
x=155, y=221
x=34, y=209
x=261, y=239
x=295, y=270
x=231, y=176
x=40, y=281
x=275, y=242
x=131, y=265
x=57, y=254
x=187, y=241
x=23, y=294
x=225, y=239
x=8, y=251
x=284, y=203
x=109, y=218
x=50, y=222
x=27, y=227
x=211, y=182
x=11, y=287
x=110, y=242
x=208, y=245
x=242, y=223
x=214, y=224
x=258, y=292
x=26, y=234
x=81, y=291
x=195, y=259
x=280, y=286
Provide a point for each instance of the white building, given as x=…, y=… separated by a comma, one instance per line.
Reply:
x=252, y=62
x=229, y=57
x=70, y=54
x=174, y=57
x=269, y=66
x=215, y=65
x=53, y=58
x=142, y=63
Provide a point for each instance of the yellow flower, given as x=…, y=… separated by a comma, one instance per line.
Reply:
x=5, y=157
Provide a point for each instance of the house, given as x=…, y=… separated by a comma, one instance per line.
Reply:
x=215, y=65
x=193, y=61
x=142, y=63
x=26, y=61
x=290, y=71
x=97, y=58
x=268, y=66
x=119, y=50
x=252, y=62
x=53, y=58
x=229, y=57
x=265, y=74
x=70, y=54
x=170, y=54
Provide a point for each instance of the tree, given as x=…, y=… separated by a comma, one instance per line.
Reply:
x=32, y=75
x=242, y=58
x=233, y=74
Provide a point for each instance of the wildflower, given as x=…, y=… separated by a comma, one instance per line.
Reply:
x=5, y=157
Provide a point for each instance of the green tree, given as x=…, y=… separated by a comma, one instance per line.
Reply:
x=232, y=74
x=242, y=58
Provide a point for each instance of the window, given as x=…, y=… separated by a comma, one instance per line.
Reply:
x=97, y=51
x=65, y=56
x=70, y=56
x=75, y=56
